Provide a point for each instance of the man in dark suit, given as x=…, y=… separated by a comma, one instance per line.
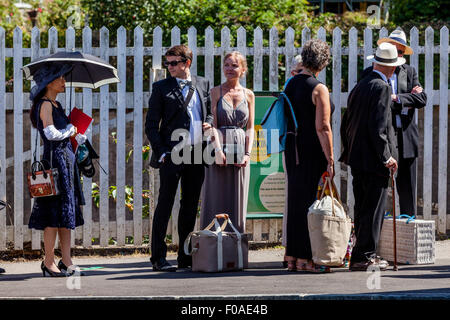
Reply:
x=407, y=96
x=179, y=111
x=370, y=150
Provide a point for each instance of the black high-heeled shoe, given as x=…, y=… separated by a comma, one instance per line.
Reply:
x=51, y=273
x=63, y=268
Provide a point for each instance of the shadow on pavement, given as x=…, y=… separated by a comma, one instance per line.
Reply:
x=143, y=270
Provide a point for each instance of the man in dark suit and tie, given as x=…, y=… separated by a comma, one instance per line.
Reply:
x=370, y=150
x=178, y=104
x=407, y=96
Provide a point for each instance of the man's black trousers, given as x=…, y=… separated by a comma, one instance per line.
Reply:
x=191, y=176
x=370, y=192
x=406, y=180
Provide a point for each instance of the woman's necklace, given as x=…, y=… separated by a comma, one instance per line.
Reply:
x=311, y=73
x=54, y=101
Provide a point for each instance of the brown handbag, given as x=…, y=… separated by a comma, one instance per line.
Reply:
x=41, y=182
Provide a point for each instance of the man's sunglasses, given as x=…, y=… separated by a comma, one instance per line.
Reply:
x=399, y=52
x=173, y=63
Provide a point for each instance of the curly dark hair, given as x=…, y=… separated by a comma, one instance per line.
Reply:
x=315, y=55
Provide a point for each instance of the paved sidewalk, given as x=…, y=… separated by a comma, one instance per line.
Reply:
x=132, y=277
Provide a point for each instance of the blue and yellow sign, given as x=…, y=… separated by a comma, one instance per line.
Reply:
x=267, y=181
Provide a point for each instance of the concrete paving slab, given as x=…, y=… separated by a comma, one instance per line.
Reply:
x=131, y=277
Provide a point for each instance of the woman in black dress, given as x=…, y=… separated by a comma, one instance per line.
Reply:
x=62, y=213
x=308, y=154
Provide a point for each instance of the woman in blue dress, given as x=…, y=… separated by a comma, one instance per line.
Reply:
x=62, y=213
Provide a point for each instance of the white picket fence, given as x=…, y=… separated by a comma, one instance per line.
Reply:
x=17, y=102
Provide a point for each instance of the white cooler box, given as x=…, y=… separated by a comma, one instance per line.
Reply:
x=415, y=241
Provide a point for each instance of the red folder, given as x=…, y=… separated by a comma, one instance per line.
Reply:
x=80, y=120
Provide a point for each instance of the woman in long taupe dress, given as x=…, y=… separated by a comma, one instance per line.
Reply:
x=225, y=189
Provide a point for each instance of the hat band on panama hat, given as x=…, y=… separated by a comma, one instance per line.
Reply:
x=403, y=42
x=385, y=60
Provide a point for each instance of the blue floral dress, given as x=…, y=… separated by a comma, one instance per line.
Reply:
x=63, y=210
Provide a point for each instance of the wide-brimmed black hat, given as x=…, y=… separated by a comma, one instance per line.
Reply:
x=45, y=75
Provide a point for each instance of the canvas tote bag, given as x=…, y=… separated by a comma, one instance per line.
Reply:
x=219, y=250
x=329, y=228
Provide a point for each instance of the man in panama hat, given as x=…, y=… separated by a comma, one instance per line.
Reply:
x=407, y=96
x=369, y=148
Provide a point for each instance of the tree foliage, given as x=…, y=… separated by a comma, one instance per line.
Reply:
x=197, y=13
x=404, y=11
x=55, y=13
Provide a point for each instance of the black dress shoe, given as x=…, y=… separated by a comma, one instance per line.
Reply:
x=162, y=265
x=2, y=270
x=63, y=268
x=372, y=263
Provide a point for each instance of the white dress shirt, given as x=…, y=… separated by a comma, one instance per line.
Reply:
x=195, y=114
x=394, y=84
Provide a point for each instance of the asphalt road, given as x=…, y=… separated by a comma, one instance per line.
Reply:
x=132, y=277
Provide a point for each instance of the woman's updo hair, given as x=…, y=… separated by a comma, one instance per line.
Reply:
x=315, y=55
x=240, y=57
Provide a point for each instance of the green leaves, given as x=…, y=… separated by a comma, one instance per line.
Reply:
x=197, y=13
x=403, y=11
x=129, y=196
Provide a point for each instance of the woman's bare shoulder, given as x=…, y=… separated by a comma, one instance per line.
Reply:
x=46, y=106
x=249, y=93
x=215, y=89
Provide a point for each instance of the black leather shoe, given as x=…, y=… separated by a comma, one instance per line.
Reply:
x=162, y=265
x=63, y=268
x=372, y=263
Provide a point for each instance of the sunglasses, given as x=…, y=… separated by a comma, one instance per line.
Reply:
x=173, y=63
x=399, y=52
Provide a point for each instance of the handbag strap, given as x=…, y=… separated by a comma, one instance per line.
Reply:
x=336, y=195
x=185, y=103
x=38, y=111
x=285, y=97
x=219, y=230
x=188, y=238
x=330, y=184
x=239, y=243
x=238, y=236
